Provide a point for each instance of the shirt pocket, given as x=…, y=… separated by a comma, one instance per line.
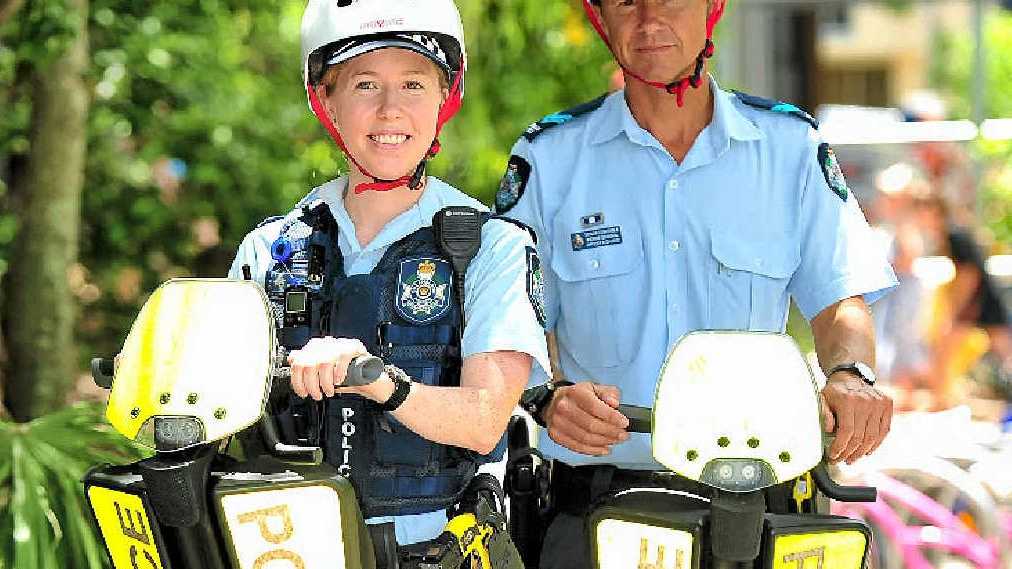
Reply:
x=598, y=298
x=747, y=285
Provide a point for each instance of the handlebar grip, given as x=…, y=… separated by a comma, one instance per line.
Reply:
x=363, y=370
x=841, y=493
x=640, y=418
x=102, y=371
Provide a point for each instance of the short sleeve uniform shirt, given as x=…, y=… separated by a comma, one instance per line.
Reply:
x=639, y=249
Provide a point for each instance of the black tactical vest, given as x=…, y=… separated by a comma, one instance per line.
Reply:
x=406, y=311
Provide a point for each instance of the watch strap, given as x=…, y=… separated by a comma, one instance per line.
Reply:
x=855, y=368
x=402, y=388
x=536, y=399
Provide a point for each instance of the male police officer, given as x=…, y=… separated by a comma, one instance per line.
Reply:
x=674, y=206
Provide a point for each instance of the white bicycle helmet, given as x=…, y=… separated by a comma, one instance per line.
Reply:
x=337, y=30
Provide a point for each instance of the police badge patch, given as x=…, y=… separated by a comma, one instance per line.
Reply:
x=536, y=284
x=513, y=184
x=831, y=169
x=423, y=289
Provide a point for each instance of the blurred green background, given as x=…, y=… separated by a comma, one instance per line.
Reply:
x=140, y=141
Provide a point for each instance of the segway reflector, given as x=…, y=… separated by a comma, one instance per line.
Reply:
x=734, y=404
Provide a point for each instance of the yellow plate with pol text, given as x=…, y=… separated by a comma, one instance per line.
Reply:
x=126, y=528
x=824, y=550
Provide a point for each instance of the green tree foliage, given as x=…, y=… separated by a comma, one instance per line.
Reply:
x=200, y=129
x=953, y=74
x=38, y=305
x=44, y=520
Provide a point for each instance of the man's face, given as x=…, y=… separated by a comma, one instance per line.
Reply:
x=658, y=40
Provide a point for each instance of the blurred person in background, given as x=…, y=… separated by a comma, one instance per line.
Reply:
x=970, y=315
x=900, y=318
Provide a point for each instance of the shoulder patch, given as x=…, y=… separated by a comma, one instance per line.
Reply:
x=536, y=285
x=269, y=220
x=513, y=184
x=555, y=119
x=776, y=107
x=832, y=171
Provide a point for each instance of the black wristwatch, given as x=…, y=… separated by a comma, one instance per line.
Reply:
x=402, y=387
x=859, y=369
x=536, y=399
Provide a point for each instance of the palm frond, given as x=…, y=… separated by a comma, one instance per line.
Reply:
x=45, y=522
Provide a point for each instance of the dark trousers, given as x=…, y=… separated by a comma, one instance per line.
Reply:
x=566, y=545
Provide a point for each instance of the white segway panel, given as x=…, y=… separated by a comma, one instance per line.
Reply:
x=737, y=410
x=196, y=366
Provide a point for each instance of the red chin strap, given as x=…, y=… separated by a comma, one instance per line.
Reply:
x=678, y=87
x=413, y=181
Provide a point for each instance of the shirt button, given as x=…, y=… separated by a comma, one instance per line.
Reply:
x=672, y=184
x=595, y=264
x=674, y=245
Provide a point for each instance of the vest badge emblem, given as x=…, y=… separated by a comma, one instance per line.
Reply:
x=424, y=289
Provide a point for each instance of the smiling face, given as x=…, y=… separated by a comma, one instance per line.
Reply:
x=384, y=104
x=658, y=40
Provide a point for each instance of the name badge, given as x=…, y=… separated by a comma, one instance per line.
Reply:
x=594, y=238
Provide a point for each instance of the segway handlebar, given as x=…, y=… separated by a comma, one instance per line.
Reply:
x=839, y=492
x=640, y=418
x=362, y=370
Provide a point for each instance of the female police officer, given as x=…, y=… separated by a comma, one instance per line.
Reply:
x=383, y=77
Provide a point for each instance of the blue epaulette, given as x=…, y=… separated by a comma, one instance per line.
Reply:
x=555, y=119
x=776, y=107
x=269, y=220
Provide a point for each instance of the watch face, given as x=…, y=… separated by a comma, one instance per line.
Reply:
x=867, y=374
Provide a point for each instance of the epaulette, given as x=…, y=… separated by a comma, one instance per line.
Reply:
x=555, y=119
x=776, y=107
x=530, y=230
x=269, y=220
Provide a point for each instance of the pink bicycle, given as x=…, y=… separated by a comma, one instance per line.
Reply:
x=934, y=515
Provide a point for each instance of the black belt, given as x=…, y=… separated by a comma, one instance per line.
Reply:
x=575, y=489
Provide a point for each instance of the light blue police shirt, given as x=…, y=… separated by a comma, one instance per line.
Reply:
x=497, y=308
x=638, y=249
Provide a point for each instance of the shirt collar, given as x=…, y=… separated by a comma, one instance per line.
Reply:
x=409, y=221
x=732, y=125
x=728, y=123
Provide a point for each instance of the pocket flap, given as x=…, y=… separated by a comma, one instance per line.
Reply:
x=772, y=257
